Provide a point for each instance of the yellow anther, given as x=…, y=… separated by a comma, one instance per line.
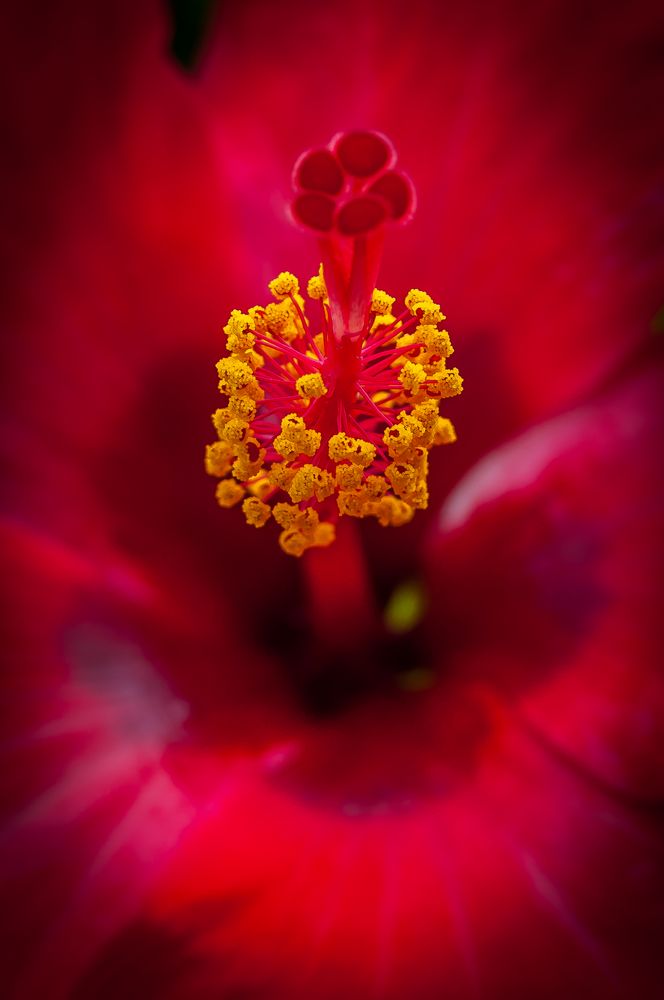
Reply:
x=352, y=503
x=402, y=477
x=242, y=407
x=436, y=341
x=381, y=302
x=445, y=383
x=431, y=314
x=235, y=430
x=218, y=458
x=349, y=477
x=316, y=286
x=308, y=481
x=415, y=426
x=302, y=529
x=238, y=323
x=281, y=475
x=325, y=485
x=407, y=340
x=293, y=541
x=284, y=285
x=343, y=448
x=229, y=493
x=398, y=439
x=393, y=512
x=286, y=514
x=302, y=484
x=389, y=490
x=234, y=375
x=242, y=343
x=239, y=335
x=277, y=316
x=311, y=386
x=257, y=317
x=324, y=534
x=426, y=413
x=417, y=300
x=220, y=418
x=260, y=487
x=375, y=487
x=419, y=496
x=249, y=461
x=382, y=319
x=412, y=376
x=256, y=512
x=418, y=457
x=280, y=320
x=444, y=432
x=295, y=439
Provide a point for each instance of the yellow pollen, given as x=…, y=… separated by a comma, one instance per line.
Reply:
x=284, y=285
x=436, y=341
x=218, y=458
x=242, y=407
x=343, y=448
x=308, y=481
x=238, y=324
x=295, y=438
x=316, y=286
x=256, y=512
x=229, y=493
x=402, y=477
x=446, y=383
x=349, y=477
x=444, y=431
x=298, y=443
x=249, y=461
x=412, y=376
x=235, y=430
x=278, y=316
x=311, y=386
x=381, y=302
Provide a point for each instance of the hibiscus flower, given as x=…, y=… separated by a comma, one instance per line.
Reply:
x=218, y=780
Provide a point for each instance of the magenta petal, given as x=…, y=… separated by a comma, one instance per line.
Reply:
x=547, y=569
x=278, y=895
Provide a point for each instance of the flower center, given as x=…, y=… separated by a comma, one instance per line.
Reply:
x=331, y=409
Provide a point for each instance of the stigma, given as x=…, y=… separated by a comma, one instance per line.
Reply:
x=330, y=403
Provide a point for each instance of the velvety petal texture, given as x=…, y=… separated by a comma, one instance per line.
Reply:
x=204, y=794
x=548, y=565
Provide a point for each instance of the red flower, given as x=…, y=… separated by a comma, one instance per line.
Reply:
x=204, y=798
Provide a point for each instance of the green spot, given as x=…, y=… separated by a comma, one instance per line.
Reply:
x=405, y=608
x=416, y=680
x=657, y=322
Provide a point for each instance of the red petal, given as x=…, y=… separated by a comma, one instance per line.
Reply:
x=547, y=573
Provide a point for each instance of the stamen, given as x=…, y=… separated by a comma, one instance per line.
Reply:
x=334, y=418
